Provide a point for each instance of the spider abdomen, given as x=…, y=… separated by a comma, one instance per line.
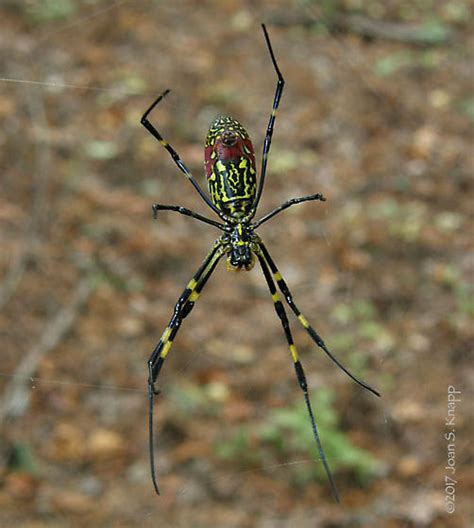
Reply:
x=230, y=167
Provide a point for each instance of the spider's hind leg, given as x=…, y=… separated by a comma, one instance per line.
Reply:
x=304, y=322
x=280, y=310
x=182, y=308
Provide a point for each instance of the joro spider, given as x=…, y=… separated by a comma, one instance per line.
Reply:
x=234, y=197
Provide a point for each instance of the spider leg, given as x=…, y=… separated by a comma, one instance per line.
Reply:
x=189, y=305
x=271, y=122
x=287, y=204
x=182, y=308
x=280, y=310
x=304, y=322
x=187, y=212
x=176, y=158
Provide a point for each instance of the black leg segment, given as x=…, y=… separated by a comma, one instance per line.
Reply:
x=304, y=322
x=186, y=212
x=271, y=122
x=280, y=310
x=287, y=204
x=176, y=158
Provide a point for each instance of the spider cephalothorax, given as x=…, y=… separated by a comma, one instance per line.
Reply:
x=234, y=197
x=240, y=244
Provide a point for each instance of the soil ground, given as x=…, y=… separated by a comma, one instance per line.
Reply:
x=379, y=120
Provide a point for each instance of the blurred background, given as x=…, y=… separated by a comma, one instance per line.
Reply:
x=377, y=115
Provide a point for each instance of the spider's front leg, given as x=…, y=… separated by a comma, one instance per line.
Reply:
x=174, y=155
x=271, y=122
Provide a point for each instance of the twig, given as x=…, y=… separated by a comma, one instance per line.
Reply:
x=410, y=33
x=17, y=395
x=367, y=27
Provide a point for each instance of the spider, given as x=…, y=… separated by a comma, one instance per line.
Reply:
x=234, y=197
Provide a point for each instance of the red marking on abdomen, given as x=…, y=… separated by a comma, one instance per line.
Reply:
x=226, y=154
